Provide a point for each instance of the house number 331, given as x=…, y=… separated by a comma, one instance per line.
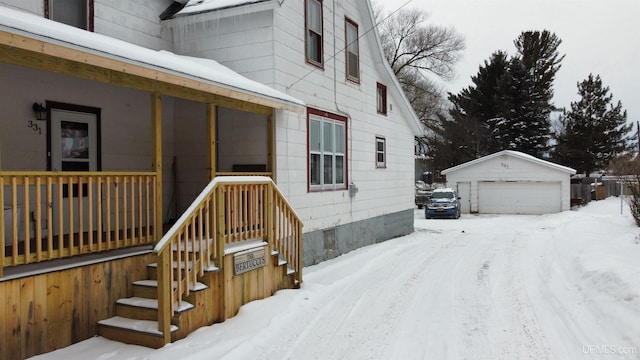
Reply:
x=34, y=126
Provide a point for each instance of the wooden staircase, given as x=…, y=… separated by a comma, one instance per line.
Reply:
x=239, y=241
x=136, y=320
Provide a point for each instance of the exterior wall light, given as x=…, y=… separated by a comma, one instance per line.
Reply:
x=40, y=111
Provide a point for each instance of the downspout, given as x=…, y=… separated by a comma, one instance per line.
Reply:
x=352, y=189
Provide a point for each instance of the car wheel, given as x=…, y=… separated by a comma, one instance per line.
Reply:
x=458, y=214
x=419, y=206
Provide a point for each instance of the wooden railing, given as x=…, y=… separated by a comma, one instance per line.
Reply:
x=230, y=209
x=53, y=215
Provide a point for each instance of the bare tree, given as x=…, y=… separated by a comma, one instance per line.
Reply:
x=418, y=51
x=410, y=44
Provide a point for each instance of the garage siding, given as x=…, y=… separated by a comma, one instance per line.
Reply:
x=519, y=197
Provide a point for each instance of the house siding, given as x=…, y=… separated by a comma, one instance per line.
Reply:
x=276, y=39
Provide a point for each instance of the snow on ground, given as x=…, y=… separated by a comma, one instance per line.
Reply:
x=560, y=286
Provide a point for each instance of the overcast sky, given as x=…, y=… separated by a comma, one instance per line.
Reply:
x=598, y=36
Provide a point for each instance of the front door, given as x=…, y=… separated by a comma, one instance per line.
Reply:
x=74, y=145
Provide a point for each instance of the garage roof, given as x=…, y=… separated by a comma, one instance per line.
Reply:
x=515, y=154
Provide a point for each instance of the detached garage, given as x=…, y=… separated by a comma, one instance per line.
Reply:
x=511, y=182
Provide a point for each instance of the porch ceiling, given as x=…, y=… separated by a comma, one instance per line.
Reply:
x=32, y=41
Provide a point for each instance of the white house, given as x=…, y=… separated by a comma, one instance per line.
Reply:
x=130, y=127
x=511, y=182
x=346, y=163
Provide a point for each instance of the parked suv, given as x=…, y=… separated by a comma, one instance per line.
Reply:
x=443, y=203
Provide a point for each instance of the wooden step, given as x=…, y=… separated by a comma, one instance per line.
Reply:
x=132, y=331
x=149, y=288
x=144, y=308
x=152, y=269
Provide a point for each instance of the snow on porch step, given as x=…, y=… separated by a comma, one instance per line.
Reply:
x=154, y=283
x=151, y=304
x=211, y=268
x=145, y=326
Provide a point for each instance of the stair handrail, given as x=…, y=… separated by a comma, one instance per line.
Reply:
x=211, y=200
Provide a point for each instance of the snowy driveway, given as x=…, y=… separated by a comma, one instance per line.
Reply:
x=561, y=286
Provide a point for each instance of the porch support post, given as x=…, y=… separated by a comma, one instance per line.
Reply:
x=271, y=131
x=164, y=260
x=156, y=129
x=211, y=132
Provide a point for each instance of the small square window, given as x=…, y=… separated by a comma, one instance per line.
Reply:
x=381, y=152
x=381, y=96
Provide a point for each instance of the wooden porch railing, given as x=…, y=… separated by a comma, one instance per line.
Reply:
x=229, y=210
x=53, y=215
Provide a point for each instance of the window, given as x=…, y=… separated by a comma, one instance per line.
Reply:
x=381, y=152
x=381, y=99
x=313, y=31
x=78, y=13
x=351, y=36
x=327, y=150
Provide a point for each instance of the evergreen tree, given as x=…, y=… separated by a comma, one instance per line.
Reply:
x=538, y=52
x=509, y=104
x=474, y=106
x=595, y=129
x=520, y=123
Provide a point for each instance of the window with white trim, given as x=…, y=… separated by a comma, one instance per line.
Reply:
x=381, y=152
x=327, y=151
x=381, y=99
x=313, y=25
x=78, y=13
x=353, y=52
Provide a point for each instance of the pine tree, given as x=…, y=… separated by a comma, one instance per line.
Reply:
x=474, y=106
x=520, y=123
x=509, y=104
x=595, y=129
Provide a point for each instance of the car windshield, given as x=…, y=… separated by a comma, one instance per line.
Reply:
x=442, y=195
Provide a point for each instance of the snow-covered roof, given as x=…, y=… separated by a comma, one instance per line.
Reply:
x=512, y=153
x=200, y=6
x=202, y=70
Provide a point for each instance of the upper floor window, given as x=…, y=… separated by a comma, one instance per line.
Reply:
x=78, y=13
x=351, y=36
x=381, y=152
x=327, y=151
x=381, y=96
x=313, y=25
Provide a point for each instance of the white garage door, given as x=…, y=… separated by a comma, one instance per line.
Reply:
x=519, y=197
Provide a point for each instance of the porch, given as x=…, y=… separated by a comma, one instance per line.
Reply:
x=238, y=241
x=82, y=226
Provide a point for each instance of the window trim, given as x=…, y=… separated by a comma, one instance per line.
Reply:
x=90, y=13
x=327, y=117
x=347, y=23
x=381, y=88
x=383, y=164
x=309, y=60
